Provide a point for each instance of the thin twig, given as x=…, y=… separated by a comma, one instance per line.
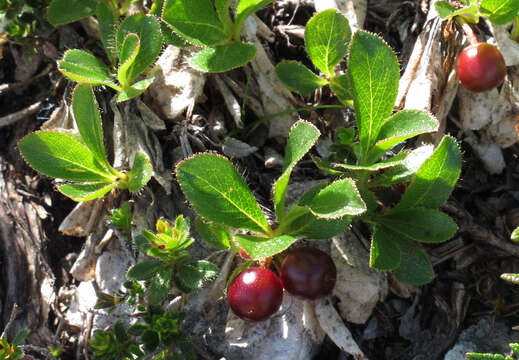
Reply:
x=14, y=314
x=19, y=115
x=13, y=86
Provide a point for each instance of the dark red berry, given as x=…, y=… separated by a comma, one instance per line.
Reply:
x=308, y=273
x=481, y=67
x=255, y=294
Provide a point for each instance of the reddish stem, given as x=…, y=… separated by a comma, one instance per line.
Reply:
x=467, y=29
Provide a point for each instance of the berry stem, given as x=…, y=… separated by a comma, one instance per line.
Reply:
x=515, y=30
x=467, y=29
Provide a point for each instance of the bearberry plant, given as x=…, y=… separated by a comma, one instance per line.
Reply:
x=12, y=351
x=222, y=199
x=80, y=159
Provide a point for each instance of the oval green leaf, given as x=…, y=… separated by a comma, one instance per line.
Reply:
x=298, y=77
x=61, y=156
x=214, y=234
x=260, y=248
x=338, y=199
x=374, y=74
x=88, y=120
x=86, y=192
x=62, y=12
x=223, y=57
x=143, y=270
x=219, y=193
x=129, y=51
x=196, y=21
x=327, y=37
x=384, y=253
x=81, y=66
x=140, y=173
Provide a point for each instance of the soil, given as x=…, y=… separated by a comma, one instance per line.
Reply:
x=422, y=326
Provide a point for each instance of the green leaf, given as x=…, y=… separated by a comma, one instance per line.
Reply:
x=384, y=253
x=147, y=29
x=373, y=68
x=168, y=35
x=298, y=77
x=121, y=218
x=223, y=58
x=500, y=12
x=512, y=278
x=194, y=275
x=470, y=14
x=419, y=224
x=219, y=193
x=61, y=156
x=388, y=163
x=196, y=21
x=444, y=9
x=327, y=167
x=120, y=332
x=435, y=179
x=401, y=126
x=160, y=285
x=302, y=137
x=20, y=337
x=140, y=173
x=87, y=191
x=88, y=120
x=108, y=18
x=404, y=171
x=338, y=199
x=62, y=12
x=214, y=234
x=341, y=87
x=327, y=37
x=129, y=51
x=415, y=267
x=81, y=66
x=478, y=356
x=134, y=90
x=260, y=247
x=143, y=270
x=247, y=8
x=299, y=221
x=150, y=340
x=515, y=235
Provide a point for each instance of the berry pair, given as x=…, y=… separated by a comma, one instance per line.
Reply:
x=257, y=293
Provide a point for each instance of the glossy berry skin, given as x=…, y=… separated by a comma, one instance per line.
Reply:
x=481, y=67
x=255, y=294
x=308, y=272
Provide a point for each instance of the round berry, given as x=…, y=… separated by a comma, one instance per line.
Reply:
x=308, y=272
x=255, y=294
x=481, y=67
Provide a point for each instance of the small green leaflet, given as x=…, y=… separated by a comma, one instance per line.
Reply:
x=260, y=248
x=447, y=11
x=62, y=12
x=147, y=29
x=223, y=57
x=299, y=221
x=160, y=284
x=500, y=12
x=435, y=179
x=219, y=193
x=513, y=278
x=384, y=253
x=87, y=191
x=415, y=267
x=81, y=66
x=134, y=90
x=140, y=173
x=128, y=53
x=60, y=155
x=374, y=74
x=444, y=9
x=194, y=275
x=88, y=120
x=327, y=37
x=298, y=77
x=515, y=235
x=108, y=18
x=338, y=199
x=222, y=10
x=419, y=224
x=302, y=137
x=401, y=126
x=404, y=171
x=341, y=87
x=143, y=270
x=389, y=163
x=196, y=21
